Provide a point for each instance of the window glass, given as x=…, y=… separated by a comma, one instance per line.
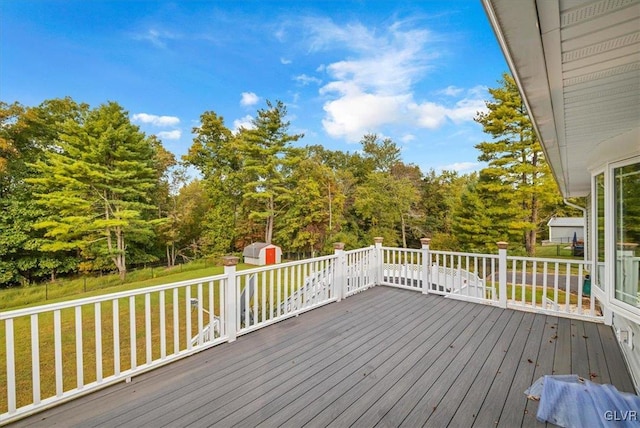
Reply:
x=599, y=232
x=627, y=233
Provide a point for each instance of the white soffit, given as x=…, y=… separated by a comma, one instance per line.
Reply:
x=577, y=63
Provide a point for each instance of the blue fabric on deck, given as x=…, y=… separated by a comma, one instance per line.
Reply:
x=569, y=401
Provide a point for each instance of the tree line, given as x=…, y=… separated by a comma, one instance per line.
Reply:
x=83, y=189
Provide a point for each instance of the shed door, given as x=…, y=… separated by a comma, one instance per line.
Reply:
x=270, y=256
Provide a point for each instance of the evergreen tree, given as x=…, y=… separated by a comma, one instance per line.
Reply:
x=269, y=159
x=96, y=186
x=517, y=181
x=384, y=201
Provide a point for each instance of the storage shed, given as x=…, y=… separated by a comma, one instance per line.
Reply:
x=261, y=253
x=563, y=229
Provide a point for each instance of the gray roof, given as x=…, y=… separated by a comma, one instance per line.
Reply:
x=566, y=222
x=253, y=250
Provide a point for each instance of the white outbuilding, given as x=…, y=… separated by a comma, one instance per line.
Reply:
x=563, y=229
x=261, y=253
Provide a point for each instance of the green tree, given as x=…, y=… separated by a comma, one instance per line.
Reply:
x=95, y=185
x=384, y=201
x=269, y=160
x=182, y=229
x=481, y=219
x=25, y=134
x=216, y=153
x=440, y=197
x=381, y=155
x=315, y=209
x=516, y=165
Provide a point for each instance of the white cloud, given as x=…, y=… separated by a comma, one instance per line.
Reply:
x=305, y=80
x=431, y=115
x=466, y=109
x=249, y=99
x=280, y=34
x=285, y=61
x=478, y=91
x=428, y=114
x=451, y=91
x=244, y=122
x=375, y=84
x=407, y=138
x=155, y=120
x=170, y=135
x=461, y=166
x=156, y=37
x=353, y=115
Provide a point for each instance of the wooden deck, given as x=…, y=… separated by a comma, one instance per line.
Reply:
x=384, y=357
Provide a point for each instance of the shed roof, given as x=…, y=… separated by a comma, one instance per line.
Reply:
x=566, y=222
x=253, y=250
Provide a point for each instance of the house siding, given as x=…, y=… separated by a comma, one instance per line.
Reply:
x=632, y=356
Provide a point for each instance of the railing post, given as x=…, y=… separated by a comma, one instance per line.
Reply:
x=379, y=261
x=502, y=273
x=338, y=276
x=231, y=298
x=426, y=264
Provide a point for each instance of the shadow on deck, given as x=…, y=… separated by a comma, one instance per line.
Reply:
x=384, y=357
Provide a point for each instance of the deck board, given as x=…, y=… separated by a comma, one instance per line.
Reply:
x=321, y=384
x=383, y=357
x=369, y=395
x=615, y=362
x=516, y=401
x=268, y=366
x=442, y=400
x=543, y=366
x=405, y=393
x=469, y=406
x=598, y=370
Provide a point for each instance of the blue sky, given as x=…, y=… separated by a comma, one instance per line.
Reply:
x=413, y=71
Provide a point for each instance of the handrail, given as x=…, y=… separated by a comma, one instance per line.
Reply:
x=155, y=325
x=105, y=297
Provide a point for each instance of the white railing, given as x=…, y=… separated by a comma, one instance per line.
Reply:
x=116, y=336
x=280, y=291
x=554, y=286
x=467, y=276
x=359, y=270
x=402, y=268
x=55, y=352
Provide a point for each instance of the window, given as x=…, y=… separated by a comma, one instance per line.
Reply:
x=599, y=232
x=627, y=233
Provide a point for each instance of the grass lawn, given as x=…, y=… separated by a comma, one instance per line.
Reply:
x=515, y=292
x=76, y=288
x=139, y=342
x=562, y=251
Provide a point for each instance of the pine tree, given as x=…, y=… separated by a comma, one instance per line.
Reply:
x=96, y=185
x=517, y=181
x=269, y=159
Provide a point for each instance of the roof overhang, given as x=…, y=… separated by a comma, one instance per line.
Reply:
x=577, y=64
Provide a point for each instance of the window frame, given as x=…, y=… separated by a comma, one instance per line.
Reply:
x=618, y=306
